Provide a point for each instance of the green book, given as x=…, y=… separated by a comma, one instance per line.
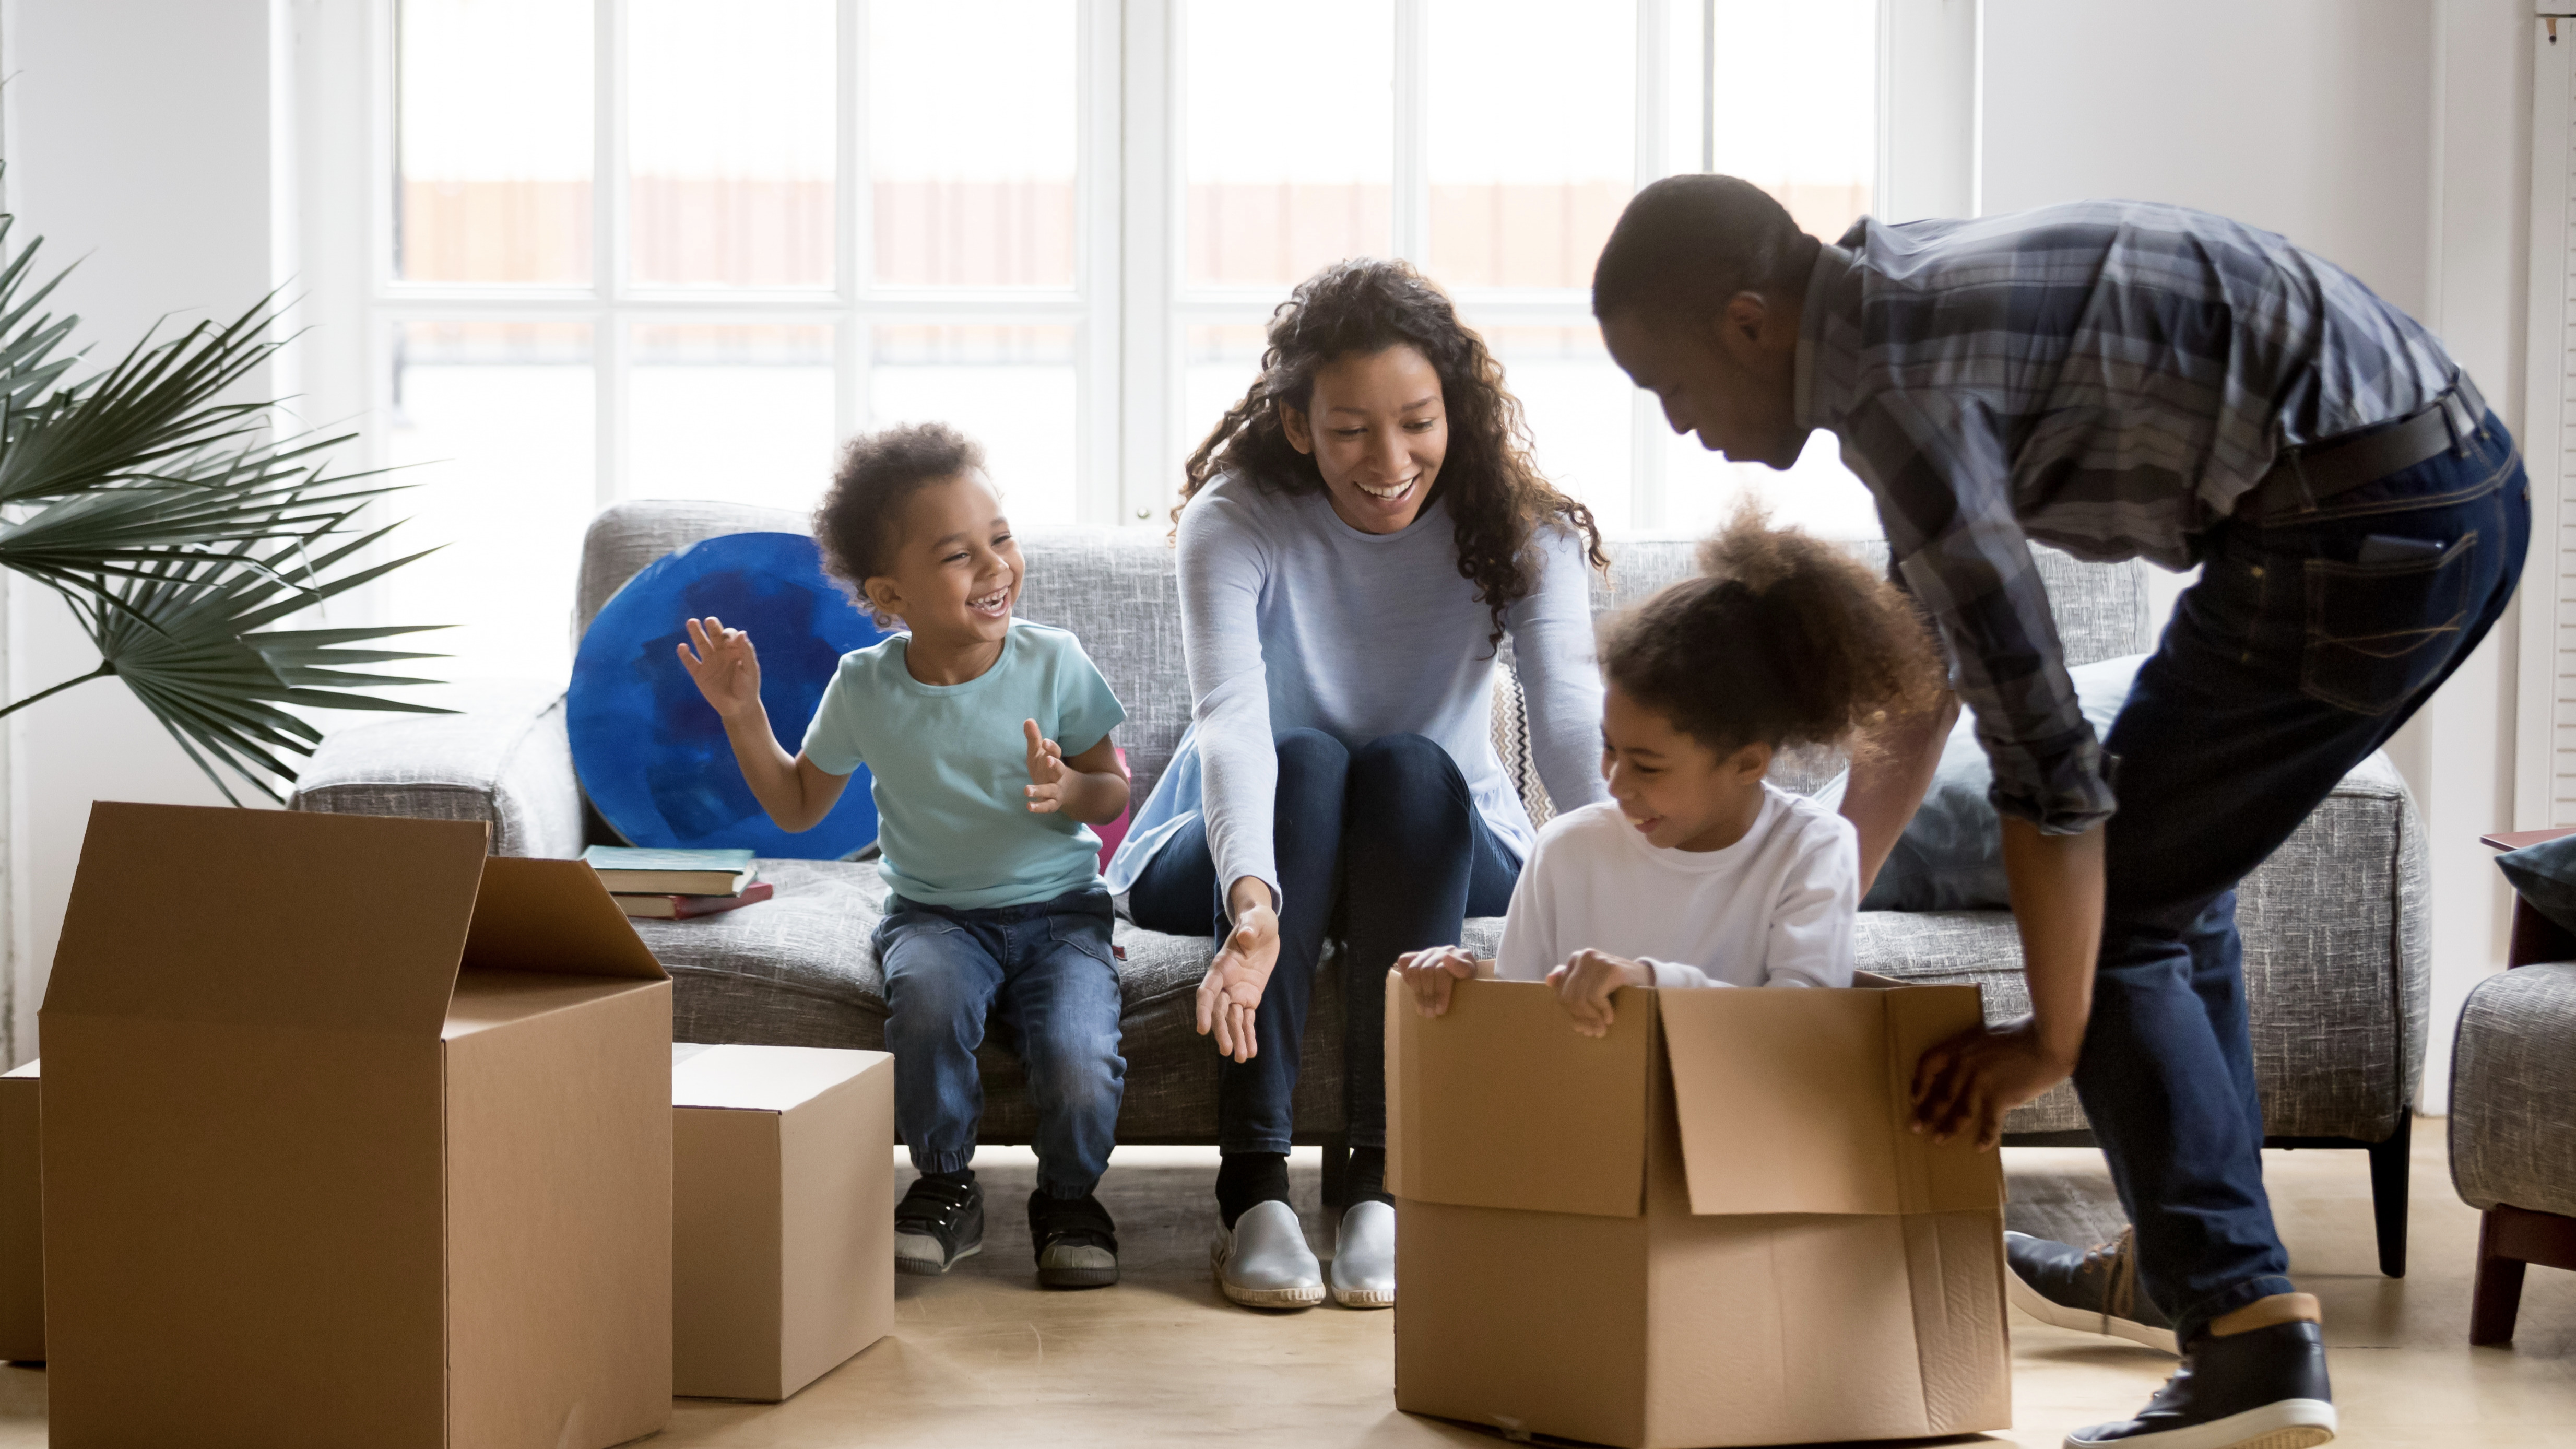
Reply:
x=628, y=871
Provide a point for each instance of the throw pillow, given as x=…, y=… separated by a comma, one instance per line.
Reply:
x=1951, y=857
x=2545, y=875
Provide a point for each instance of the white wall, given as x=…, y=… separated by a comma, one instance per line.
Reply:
x=2391, y=136
x=138, y=141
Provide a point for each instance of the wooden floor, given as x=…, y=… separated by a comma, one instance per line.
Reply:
x=981, y=1357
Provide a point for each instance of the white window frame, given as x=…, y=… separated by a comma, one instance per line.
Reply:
x=612, y=304
x=1129, y=306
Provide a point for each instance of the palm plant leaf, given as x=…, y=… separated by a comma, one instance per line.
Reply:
x=181, y=529
x=186, y=636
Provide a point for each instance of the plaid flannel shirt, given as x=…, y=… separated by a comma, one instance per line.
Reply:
x=2105, y=377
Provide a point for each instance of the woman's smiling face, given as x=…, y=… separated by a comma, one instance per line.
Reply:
x=1377, y=429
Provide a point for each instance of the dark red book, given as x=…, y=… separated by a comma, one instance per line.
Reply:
x=681, y=908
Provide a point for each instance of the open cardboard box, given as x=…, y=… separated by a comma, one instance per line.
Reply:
x=1711, y=1227
x=351, y=1136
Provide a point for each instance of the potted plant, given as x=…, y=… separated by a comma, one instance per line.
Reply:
x=186, y=531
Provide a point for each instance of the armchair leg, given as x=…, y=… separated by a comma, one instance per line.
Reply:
x=2391, y=1164
x=1337, y=1169
x=2495, y=1298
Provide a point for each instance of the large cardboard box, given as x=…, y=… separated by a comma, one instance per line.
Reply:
x=22, y=1220
x=351, y=1136
x=1709, y=1228
x=782, y=1215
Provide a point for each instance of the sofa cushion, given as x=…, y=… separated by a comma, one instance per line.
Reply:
x=503, y=759
x=2513, y=1091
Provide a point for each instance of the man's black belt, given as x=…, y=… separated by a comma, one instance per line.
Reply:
x=2303, y=478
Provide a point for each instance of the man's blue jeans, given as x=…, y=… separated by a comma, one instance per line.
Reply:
x=1391, y=830
x=1043, y=973
x=2285, y=665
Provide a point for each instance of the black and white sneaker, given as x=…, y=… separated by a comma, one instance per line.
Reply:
x=2265, y=1389
x=1076, y=1243
x=940, y=1220
x=2091, y=1290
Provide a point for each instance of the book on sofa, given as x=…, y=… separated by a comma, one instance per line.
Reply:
x=681, y=908
x=629, y=871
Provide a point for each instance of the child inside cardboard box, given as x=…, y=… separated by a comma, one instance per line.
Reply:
x=989, y=742
x=1699, y=871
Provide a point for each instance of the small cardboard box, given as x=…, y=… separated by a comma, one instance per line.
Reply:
x=782, y=1215
x=22, y=1220
x=351, y=1136
x=1709, y=1228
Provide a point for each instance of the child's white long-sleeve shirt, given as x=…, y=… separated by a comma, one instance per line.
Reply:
x=1773, y=909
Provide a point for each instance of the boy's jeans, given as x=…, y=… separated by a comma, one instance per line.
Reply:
x=2285, y=665
x=1044, y=973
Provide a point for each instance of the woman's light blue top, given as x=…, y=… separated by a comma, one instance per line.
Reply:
x=1294, y=619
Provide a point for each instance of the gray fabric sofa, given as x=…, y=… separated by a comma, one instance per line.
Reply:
x=2335, y=950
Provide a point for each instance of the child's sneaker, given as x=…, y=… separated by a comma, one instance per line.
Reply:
x=1075, y=1242
x=940, y=1220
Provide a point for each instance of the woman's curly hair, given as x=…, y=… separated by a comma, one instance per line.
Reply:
x=1784, y=640
x=1496, y=497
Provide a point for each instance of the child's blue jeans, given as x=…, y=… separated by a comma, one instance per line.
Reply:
x=1045, y=975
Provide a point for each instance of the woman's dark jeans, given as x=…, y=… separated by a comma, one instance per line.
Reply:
x=2285, y=665
x=1389, y=828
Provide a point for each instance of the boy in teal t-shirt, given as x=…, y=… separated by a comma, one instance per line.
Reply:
x=989, y=743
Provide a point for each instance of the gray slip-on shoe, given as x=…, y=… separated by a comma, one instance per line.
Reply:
x=1364, y=1257
x=1263, y=1262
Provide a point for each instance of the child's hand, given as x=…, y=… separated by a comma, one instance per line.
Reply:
x=725, y=666
x=1584, y=983
x=1432, y=972
x=1046, y=771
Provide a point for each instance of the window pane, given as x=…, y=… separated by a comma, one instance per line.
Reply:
x=739, y=413
x=1289, y=130
x=1218, y=365
x=494, y=147
x=498, y=415
x=1009, y=388
x=971, y=132
x=1701, y=489
x=1577, y=403
x=1532, y=147
x=1818, y=61
x=730, y=122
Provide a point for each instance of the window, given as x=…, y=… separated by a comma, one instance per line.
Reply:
x=655, y=249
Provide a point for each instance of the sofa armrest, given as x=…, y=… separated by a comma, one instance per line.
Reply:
x=504, y=760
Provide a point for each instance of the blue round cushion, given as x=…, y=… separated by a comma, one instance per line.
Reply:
x=651, y=753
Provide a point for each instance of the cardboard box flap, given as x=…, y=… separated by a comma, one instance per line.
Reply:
x=1499, y=1103
x=1795, y=1101
x=553, y=916
x=267, y=917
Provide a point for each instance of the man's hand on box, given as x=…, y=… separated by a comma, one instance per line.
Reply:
x=1584, y=983
x=1430, y=973
x=1965, y=1085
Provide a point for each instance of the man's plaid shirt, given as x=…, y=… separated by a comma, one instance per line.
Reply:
x=2105, y=377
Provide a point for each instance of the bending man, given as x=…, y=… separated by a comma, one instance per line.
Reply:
x=2120, y=381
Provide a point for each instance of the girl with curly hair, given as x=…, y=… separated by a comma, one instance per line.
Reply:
x=1358, y=537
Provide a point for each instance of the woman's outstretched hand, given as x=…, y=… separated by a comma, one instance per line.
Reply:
x=1231, y=990
x=724, y=665
x=1965, y=1085
x=1430, y=973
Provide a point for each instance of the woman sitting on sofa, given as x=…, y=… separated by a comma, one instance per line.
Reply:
x=1357, y=537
